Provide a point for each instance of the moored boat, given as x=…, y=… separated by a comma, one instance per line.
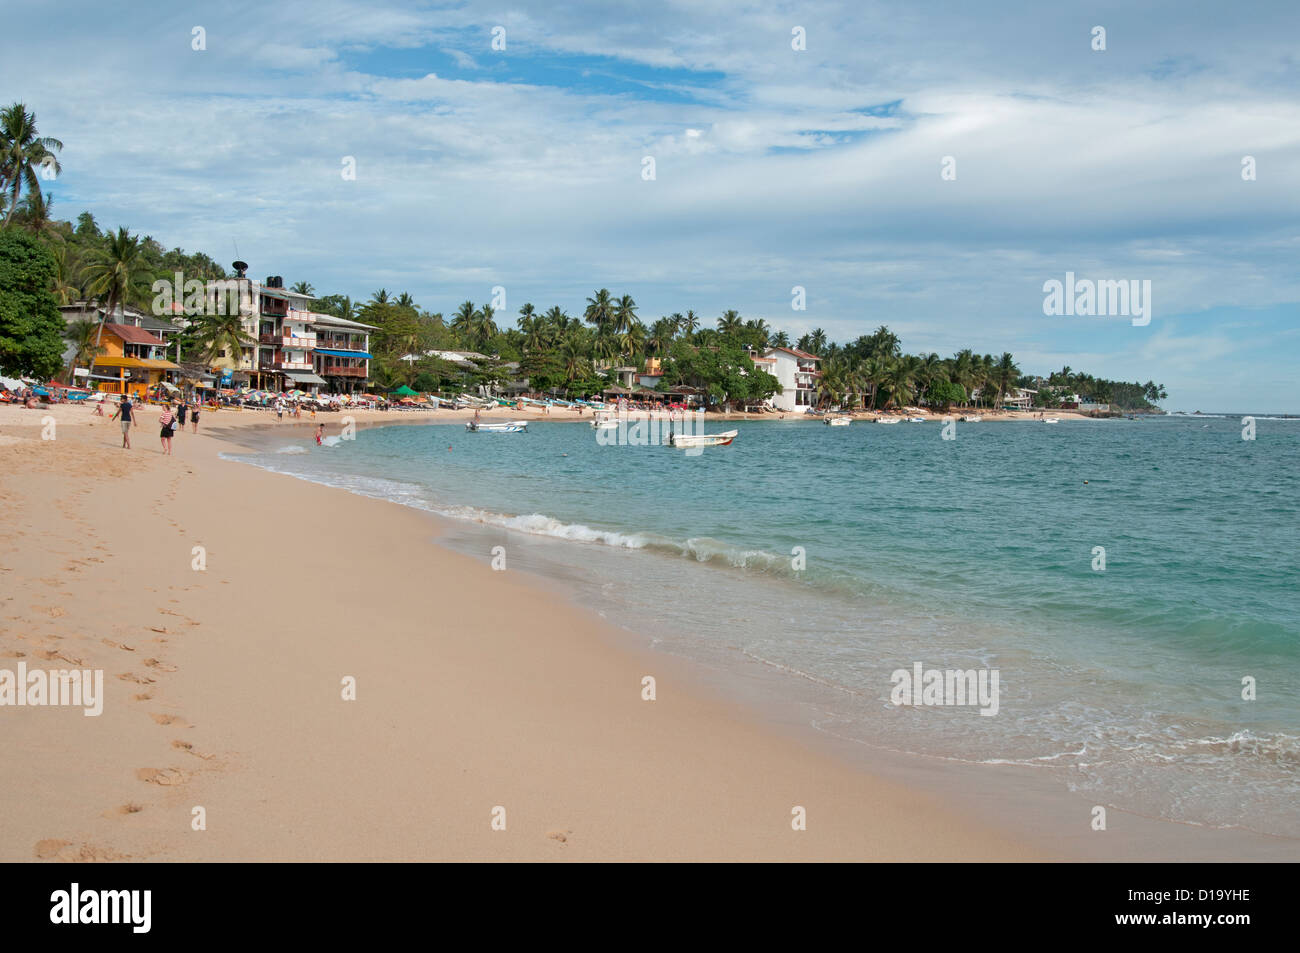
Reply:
x=513, y=426
x=889, y=420
x=971, y=419
x=838, y=421
x=702, y=439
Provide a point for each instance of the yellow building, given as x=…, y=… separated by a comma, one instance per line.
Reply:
x=134, y=356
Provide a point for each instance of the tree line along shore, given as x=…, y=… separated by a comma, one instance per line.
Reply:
x=46, y=262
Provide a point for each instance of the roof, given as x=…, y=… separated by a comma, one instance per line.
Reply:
x=329, y=321
x=150, y=323
x=133, y=335
x=797, y=353
x=141, y=362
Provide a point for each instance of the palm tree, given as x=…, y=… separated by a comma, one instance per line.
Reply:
x=632, y=341
x=604, y=346
x=689, y=324
x=33, y=215
x=484, y=329
x=760, y=331
x=573, y=353
x=115, y=272
x=661, y=336
x=884, y=341
x=303, y=288
x=780, y=339
x=82, y=336
x=1005, y=373
x=462, y=321
x=223, y=333
x=964, y=370
x=65, y=288
x=22, y=152
x=899, y=380
x=624, y=314
x=730, y=323
x=875, y=369
x=379, y=297
x=600, y=310
x=404, y=300
x=817, y=341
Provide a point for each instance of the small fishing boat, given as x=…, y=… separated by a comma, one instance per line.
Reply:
x=889, y=420
x=971, y=419
x=702, y=439
x=513, y=426
x=838, y=421
x=604, y=425
x=1051, y=420
x=916, y=420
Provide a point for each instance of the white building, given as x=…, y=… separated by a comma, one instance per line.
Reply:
x=797, y=373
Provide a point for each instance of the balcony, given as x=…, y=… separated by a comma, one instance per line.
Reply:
x=302, y=341
x=340, y=345
x=341, y=370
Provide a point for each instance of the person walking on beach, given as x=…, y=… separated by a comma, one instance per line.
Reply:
x=126, y=411
x=279, y=410
x=194, y=419
x=320, y=434
x=166, y=421
x=181, y=410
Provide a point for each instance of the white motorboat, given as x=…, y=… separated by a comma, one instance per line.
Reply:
x=916, y=420
x=513, y=426
x=1051, y=420
x=971, y=419
x=702, y=439
x=838, y=421
x=889, y=420
x=604, y=425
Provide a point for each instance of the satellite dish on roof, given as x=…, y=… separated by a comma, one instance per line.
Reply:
x=240, y=267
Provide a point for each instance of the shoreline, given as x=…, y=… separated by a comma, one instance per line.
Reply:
x=939, y=810
x=475, y=690
x=1048, y=815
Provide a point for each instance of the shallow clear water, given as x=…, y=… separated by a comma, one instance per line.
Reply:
x=963, y=554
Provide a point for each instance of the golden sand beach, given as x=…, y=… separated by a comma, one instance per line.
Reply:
x=478, y=694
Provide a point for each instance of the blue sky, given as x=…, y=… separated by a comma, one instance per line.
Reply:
x=774, y=167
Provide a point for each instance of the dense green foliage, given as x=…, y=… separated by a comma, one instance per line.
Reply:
x=31, y=328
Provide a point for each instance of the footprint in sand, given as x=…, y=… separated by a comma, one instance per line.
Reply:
x=117, y=645
x=53, y=849
x=159, y=665
x=122, y=810
x=188, y=748
x=561, y=836
x=167, y=777
x=142, y=697
x=158, y=628
x=138, y=679
x=165, y=719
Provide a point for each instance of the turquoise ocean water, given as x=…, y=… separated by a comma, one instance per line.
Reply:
x=971, y=553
